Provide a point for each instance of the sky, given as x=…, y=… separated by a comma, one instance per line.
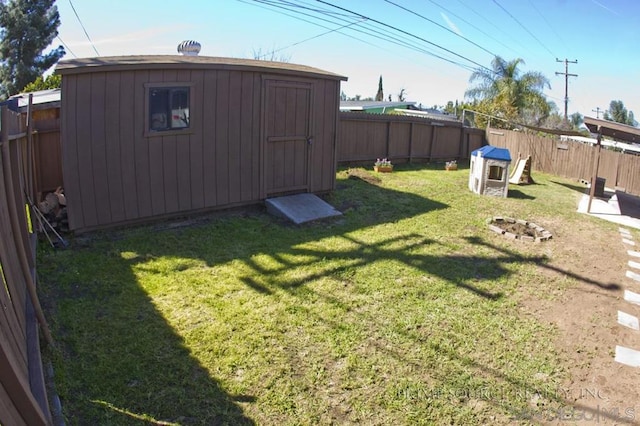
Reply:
x=429, y=48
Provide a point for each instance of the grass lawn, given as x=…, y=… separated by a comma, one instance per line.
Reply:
x=405, y=310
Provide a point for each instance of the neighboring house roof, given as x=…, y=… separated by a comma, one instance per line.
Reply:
x=82, y=65
x=433, y=114
x=493, y=153
x=42, y=99
x=365, y=105
x=624, y=147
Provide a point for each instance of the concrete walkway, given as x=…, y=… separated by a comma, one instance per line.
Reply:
x=617, y=207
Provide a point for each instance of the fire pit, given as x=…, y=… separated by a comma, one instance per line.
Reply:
x=518, y=229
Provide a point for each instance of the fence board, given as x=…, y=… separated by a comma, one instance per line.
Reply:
x=571, y=159
x=9, y=414
x=365, y=137
x=18, y=387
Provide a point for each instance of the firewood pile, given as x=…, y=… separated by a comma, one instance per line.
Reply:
x=51, y=214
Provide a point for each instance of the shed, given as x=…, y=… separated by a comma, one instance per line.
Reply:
x=489, y=171
x=155, y=136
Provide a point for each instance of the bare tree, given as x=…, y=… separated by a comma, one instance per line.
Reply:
x=402, y=96
x=271, y=55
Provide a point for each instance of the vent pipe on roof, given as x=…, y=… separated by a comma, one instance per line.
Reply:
x=189, y=48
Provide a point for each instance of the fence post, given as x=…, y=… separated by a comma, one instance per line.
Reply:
x=388, y=137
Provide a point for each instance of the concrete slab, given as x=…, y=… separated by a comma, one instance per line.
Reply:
x=633, y=264
x=628, y=242
x=628, y=320
x=300, y=208
x=632, y=297
x=627, y=356
x=633, y=275
x=609, y=210
x=633, y=253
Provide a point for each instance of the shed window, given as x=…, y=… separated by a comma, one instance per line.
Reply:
x=168, y=108
x=495, y=172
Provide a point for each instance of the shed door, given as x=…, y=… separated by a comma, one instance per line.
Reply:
x=287, y=138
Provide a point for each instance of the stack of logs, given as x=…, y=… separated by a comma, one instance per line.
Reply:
x=54, y=209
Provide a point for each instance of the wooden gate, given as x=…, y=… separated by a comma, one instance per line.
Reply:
x=286, y=137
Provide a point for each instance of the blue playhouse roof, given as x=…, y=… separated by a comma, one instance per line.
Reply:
x=492, y=152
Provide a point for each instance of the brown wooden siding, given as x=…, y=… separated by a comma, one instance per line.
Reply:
x=47, y=149
x=114, y=173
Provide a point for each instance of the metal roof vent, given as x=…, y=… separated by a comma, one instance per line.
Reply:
x=189, y=48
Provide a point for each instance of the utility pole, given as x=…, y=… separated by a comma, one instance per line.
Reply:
x=597, y=111
x=566, y=82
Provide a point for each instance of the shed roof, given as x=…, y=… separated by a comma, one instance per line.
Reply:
x=492, y=152
x=121, y=63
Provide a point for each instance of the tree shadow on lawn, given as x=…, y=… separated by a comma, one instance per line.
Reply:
x=546, y=265
x=122, y=363
x=463, y=271
x=579, y=188
x=110, y=330
x=511, y=392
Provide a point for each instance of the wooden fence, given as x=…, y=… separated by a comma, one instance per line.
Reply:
x=571, y=159
x=365, y=137
x=23, y=399
x=47, y=149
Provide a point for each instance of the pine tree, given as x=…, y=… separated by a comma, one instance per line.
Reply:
x=27, y=27
x=380, y=94
x=618, y=112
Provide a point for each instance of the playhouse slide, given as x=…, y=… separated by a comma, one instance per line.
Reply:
x=522, y=172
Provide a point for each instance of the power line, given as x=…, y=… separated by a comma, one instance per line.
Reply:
x=490, y=22
x=375, y=34
x=372, y=31
x=407, y=33
x=480, y=30
x=309, y=39
x=566, y=81
x=524, y=28
x=547, y=22
x=441, y=26
x=83, y=28
x=68, y=49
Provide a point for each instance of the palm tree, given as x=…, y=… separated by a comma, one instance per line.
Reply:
x=503, y=92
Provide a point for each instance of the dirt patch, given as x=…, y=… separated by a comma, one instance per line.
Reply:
x=580, y=296
x=363, y=175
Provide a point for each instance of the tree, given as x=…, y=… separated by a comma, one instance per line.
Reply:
x=402, y=96
x=502, y=91
x=27, y=28
x=261, y=55
x=380, y=94
x=53, y=81
x=618, y=113
x=576, y=119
